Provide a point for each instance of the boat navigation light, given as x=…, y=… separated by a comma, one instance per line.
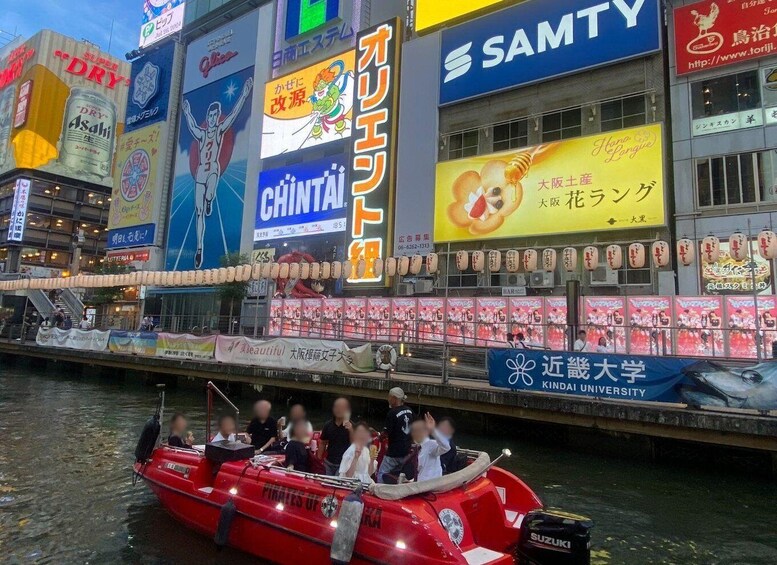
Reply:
x=401, y=544
x=279, y=506
x=233, y=491
x=507, y=453
x=333, y=523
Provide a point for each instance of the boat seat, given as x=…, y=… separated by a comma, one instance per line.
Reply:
x=482, y=556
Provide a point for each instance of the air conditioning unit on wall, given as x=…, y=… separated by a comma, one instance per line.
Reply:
x=541, y=279
x=512, y=279
x=604, y=276
x=405, y=289
x=423, y=286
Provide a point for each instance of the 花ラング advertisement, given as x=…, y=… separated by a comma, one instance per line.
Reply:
x=71, y=113
x=309, y=107
x=604, y=182
x=211, y=164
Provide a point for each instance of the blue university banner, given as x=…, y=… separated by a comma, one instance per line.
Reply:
x=599, y=375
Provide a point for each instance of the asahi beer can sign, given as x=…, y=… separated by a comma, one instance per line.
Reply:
x=88, y=133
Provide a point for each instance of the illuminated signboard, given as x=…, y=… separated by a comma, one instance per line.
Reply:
x=302, y=200
x=604, y=182
x=161, y=19
x=309, y=107
x=303, y=16
x=149, y=94
x=21, y=199
x=370, y=207
x=433, y=13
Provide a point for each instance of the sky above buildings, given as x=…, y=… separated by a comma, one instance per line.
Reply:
x=81, y=19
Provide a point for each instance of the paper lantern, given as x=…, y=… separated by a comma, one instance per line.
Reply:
x=659, y=251
x=348, y=270
x=337, y=270
x=315, y=271
x=432, y=263
x=256, y=271
x=710, y=249
x=304, y=271
x=591, y=258
x=231, y=272
x=326, y=270
x=391, y=266
x=266, y=270
x=767, y=244
x=403, y=266
x=549, y=260
x=462, y=260
x=614, y=257
x=177, y=278
x=478, y=261
x=737, y=246
x=294, y=271
x=685, y=252
x=242, y=273
x=494, y=261
x=636, y=256
x=283, y=270
x=569, y=259
x=416, y=263
x=199, y=277
x=377, y=267
x=530, y=260
x=512, y=261
x=361, y=268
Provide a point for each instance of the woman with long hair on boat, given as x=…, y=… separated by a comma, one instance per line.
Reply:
x=178, y=436
x=359, y=460
x=297, y=448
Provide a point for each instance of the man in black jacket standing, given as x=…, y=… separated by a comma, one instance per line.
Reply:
x=397, y=431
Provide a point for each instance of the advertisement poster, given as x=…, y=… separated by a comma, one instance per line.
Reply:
x=491, y=328
x=311, y=318
x=355, y=315
x=292, y=317
x=403, y=321
x=603, y=317
x=136, y=189
x=527, y=316
x=18, y=219
x=715, y=33
x=133, y=343
x=149, y=94
x=276, y=315
x=161, y=18
x=650, y=320
x=379, y=318
x=743, y=328
x=541, y=39
x=431, y=318
x=699, y=321
x=556, y=320
x=332, y=318
x=211, y=163
x=604, y=182
x=92, y=340
x=374, y=147
x=302, y=200
x=76, y=103
x=185, y=346
x=728, y=276
x=309, y=107
x=461, y=321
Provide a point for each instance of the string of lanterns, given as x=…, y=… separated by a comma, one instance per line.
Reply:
x=546, y=260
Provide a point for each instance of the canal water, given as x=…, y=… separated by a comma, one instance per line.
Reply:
x=66, y=494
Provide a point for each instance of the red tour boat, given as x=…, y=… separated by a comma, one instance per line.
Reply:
x=481, y=514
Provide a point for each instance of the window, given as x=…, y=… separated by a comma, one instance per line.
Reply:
x=512, y=135
x=725, y=95
x=623, y=113
x=747, y=178
x=463, y=144
x=562, y=125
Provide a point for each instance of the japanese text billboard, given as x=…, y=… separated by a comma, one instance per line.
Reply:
x=137, y=189
x=310, y=107
x=729, y=276
x=18, y=220
x=433, y=13
x=161, y=18
x=212, y=157
x=605, y=182
x=74, y=100
x=712, y=34
x=542, y=39
x=149, y=95
x=371, y=199
x=302, y=200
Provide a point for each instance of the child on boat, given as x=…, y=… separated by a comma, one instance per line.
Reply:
x=359, y=459
x=226, y=428
x=429, y=448
x=297, y=448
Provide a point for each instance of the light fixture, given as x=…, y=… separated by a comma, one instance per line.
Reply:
x=401, y=545
x=233, y=490
x=279, y=506
x=333, y=524
x=454, y=360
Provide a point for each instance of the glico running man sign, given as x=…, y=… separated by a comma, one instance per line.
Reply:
x=538, y=40
x=374, y=139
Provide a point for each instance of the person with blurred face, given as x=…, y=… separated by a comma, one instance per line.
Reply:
x=359, y=460
x=447, y=429
x=297, y=448
x=336, y=436
x=431, y=446
x=263, y=429
x=226, y=429
x=296, y=413
x=178, y=436
x=396, y=431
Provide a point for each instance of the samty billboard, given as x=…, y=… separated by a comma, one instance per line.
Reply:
x=604, y=182
x=309, y=107
x=70, y=112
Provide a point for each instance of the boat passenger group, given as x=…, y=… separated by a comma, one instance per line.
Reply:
x=418, y=448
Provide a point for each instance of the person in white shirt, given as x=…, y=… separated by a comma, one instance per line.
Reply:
x=226, y=429
x=429, y=448
x=580, y=342
x=359, y=459
x=84, y=324
x=296, y=412
x=602, y=346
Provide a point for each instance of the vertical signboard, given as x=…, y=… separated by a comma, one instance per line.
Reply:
x=370, y=208
x=161, y=18
x=212, y=157
x=21, y=199
x=149, y=95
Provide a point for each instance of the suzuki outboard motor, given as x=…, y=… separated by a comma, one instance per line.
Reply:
x=550, y=537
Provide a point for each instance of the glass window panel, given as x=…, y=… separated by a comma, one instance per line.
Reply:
x=571, y=118
x=611, y=110
x=717, y=181
x=749, y=192
x=703, y=182
x=733, y=185
x=551, y=122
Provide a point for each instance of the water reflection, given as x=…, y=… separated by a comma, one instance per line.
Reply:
x=66, y=493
